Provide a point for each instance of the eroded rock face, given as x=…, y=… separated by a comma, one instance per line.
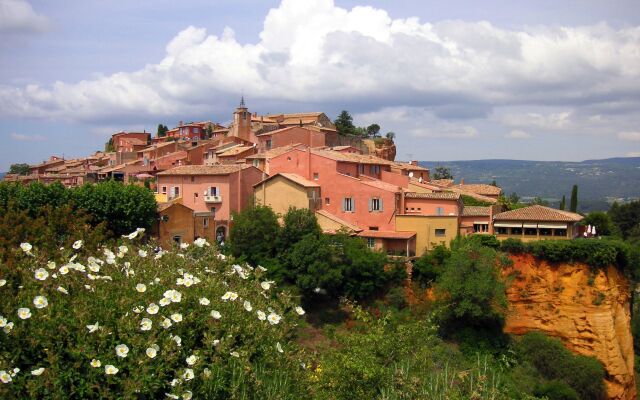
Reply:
x=385, y=148
x=588, y=311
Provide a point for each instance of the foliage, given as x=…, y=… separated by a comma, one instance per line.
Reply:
x=539, y=201
x=298, y=223
x=430, y=265
x=556, y=390
x=254, y=234
x=373, y=130
x=553, y=361
x=602, y=221
x=162, y=130
x=109, y=147
x=514, y=246
x=390, y=135
x=442, y=172
x=627, y=218
x=563, y=203
x=20, y=169
x=344, y=124
x=161, y=307
x=472, y=201
x=573, y=202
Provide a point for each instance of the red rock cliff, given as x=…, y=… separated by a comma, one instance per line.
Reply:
x=589, y=312
x=383, y=148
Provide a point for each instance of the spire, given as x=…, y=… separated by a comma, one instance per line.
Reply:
x=242, y=102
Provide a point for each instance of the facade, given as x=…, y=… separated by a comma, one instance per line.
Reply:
x=285, y=190
x=536, y=223
x=130, y=141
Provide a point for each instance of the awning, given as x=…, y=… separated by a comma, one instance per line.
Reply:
x=508, y=225
x=529, y=225
x=553, y=226
x=481, y=222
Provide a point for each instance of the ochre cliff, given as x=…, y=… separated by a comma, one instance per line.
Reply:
x=384, y=148
x=588, y=311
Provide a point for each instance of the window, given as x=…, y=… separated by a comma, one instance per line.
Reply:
x=439, y=210
x=371, y=242
x=531, y=231
x=480, y=228
x=375, y=204
x=545, y=232
x=177, y=239
x=373, y=228
x=213, y=211
x=213, y=191
x=316, y=176
x=516, y=231
x=361, y=168
x=268, y=144
x=205, y=222
x=327, y=201
x=256, y=163
x=374, y=169
x=195, y=196
x=196, y=130
x=440, y=232
x=347, y=204
x=559, y=232
x=503, y=231
x=164, y=189
x=177, y=191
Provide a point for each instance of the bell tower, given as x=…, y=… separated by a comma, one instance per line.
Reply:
x=241, y=122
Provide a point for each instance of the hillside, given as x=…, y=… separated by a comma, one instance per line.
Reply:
x=600, y=182
x=2, y=174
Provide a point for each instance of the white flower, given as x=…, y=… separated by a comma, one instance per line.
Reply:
x=300, y=310
x=206, y=372
x=77, y=244
x=78, y=267
x=261, y=315
x=187, y=395
x=184, y=245
x=261, y=268
x=279, y=348
x=216, y=314
x=266, y=285
x=110, y=370
x=141, y=287
x=26, y=247
x=204, y=301
x=93, y=328
x=41, y=274
x=3, y=321
x=123, y=250
x=229, y=296
x=3, y=282
x=37, y=372
x=64, y=270
x=142, y=253
x=51, y=264
x=164, y=301
x=177, y=339
x=15, y=371
x=145, y=324
x=173, y=295
x=40, y=302
x=273, y=318
x=8, y=327
x=172, y=396
x=188, y=374
x=166, y=323
x=192, y=359
x=5, y=377
x=153, y=308
x=177, y=317
x=200, y=242
x=235, y=354
x=62, y=290
x=216, y=342
x=138, y=309
x=247, y=306
x=24, y=313
x=151, y=352
x=122, y=350
x=96, y=363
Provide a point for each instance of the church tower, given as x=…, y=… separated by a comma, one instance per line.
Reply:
x=241, y=126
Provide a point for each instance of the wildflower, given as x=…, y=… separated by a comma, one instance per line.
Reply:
x=192, y=359
x=173, y=295
x=5, y=377
x=41, y=274
x=229, y=296
x=123, y=250
x=8, y=327
x=247, y=306
x=188, y=374
x=95, y=363
x=40, y=302
x=138, y=309
x=261, y=268
x=110, y=370
x=151, y=352
x=93, y=328
x=51, y=264
x=164, y=301
x=122, y=350
x=145, y=324
x=273, y=318
x=166, y=323
x=266, y=285
x=3, y=282
x=261, y=315
x=206, y=372
x=187, y=395
x=77, y=244
x=200, y=242
x=216, y=342
x=235, y=354
x=221, y=256
x=15, y=371
x=299, y=310
x=62, y=290
x=183, y=246
x=3, y=321
x=78, y=267
x=177, y=317
x=141, y=287
x=142, y=253
x=177, y=339
x=279, y=348
x=24, y=313
x=153, y=308
x=131, y=236
x=216, y=314
x=64, y=270
x=172, y=396
x=37, y=372
x=26, y=247
x=204, y=301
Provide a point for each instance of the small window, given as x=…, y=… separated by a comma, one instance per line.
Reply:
x=361, y=168
x=441, y=232
x=327, y=201
x=177, y=239
x=213, y=191
x=205, y=222
x=195, y=195
x=373, y=228
x=530, y=231
x=439, y=210
x=503, y=231
x=375, y=204
x=559, y=232
x=316, y=176
x=347, y=204
x=213, y=211
x=268, y=145
x=177, y=191
x=164, y=189
x=193, y=179
x=371, y=243
x=256, y=163
x=516, y=231
x=196, y=130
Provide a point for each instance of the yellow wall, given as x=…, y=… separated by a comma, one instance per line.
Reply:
x=418, y=189
x=179, y=223
x=161, y=198
x=425, y=228
x=280, y=193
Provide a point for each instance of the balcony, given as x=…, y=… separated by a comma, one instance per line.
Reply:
x=213, y=199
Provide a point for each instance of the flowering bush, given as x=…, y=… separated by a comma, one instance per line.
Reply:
x=134, y=323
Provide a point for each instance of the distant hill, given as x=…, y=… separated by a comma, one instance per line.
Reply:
x=600, y=182
x=2, y=174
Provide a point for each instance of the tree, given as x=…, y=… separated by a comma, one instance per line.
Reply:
x=108, y=147
x=390, y=135
x=208, y=132
x=574, y=199
x=563, y=203
x=162, y=130
x=373, y=130
x=344, y=124
x=626, y=217
x=494, y=183
x=442, y=172
x=539, y=201
x=254, y=234
x=602, y=221
x=298, y=223
x=20, y=169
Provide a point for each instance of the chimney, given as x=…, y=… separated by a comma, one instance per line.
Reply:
x=414, y=162
x=462, y=181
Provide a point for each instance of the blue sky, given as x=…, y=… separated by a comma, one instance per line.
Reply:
x=543, y=80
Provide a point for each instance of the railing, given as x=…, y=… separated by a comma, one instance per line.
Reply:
x=213, y=199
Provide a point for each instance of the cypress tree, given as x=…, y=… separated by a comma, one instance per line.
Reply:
x=563, y=202
x=574, y=199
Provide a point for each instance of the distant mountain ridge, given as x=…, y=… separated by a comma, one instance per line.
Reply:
x=600, y=182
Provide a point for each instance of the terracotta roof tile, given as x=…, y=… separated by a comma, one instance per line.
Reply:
x=220, y=169
x=481, y=188
x=387, y=234
x=435, y=195
x=352, y=157
x=442, y=182
x=292, y=177
x=340, y=221
x=538, y=213
x=476, y=211
x=235, y=151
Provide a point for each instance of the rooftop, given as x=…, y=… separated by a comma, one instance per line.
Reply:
x=481, y=188
x=538, y=213
x=387, y=234
x=220, y=169
x=352, y=157
x=235, y=151
x=292, y=177
x=476, y=211
x=435, y=195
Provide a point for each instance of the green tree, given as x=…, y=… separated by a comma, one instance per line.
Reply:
x=430, y=265
x=602, y=221
x=626, y=217
x=208, y=131
x=390, y=135
x=108, y=147
x=442, y=172
x=20, y=169
x=494, y=183
x=573, y=203
x=254, y=235
x=373, y=130
x=563, y=203
x=539, y=201
x=344, y=124
x=298, y=223
x=162, y=130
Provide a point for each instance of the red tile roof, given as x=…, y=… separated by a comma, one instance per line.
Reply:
x=481, y=188
x=538, y=213
x=435, y=195
x=387, y=234
x=476, y=211
x=220, y=169
x=293, y=178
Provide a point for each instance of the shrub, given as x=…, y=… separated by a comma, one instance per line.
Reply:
x=254, y=234
x=429, y=266
x=514, y=246
x=161, y=306
x=556, y=390
x=397, y=297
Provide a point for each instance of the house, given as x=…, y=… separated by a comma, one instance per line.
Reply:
x=53, y=161
x=178, y=223
x=481, y=189
x=130, y=141
x=310, y=136
x=284, y=190
x=216, y=189
x=477, y=219
x=536, y=223
x=412, y=170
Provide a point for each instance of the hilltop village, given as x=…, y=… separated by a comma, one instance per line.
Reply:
x=203, y=172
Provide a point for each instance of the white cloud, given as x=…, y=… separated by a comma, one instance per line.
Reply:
x=17, y=16
x=517, y=134
x=321, y=54
x=633, y=154
x=26, y=138
x=633, y=136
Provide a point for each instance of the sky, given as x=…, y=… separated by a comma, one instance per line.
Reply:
x=455, y=80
